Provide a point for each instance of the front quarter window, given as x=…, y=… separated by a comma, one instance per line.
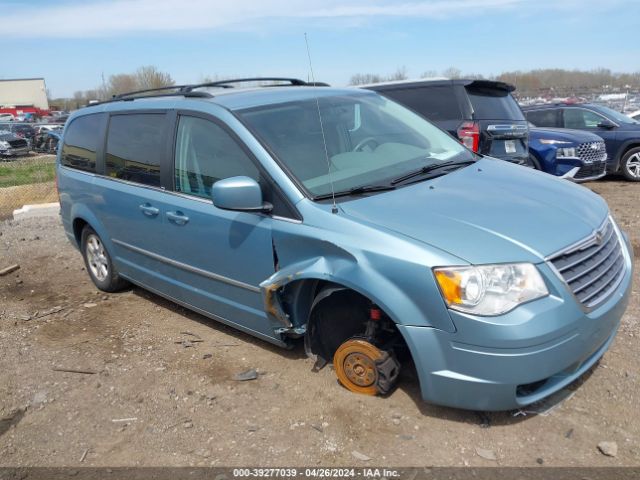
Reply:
x=363, y=139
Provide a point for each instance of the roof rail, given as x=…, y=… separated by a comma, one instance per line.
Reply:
x=188, y=90
x=225, y=83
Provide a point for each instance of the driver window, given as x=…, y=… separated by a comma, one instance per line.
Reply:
x=205, y=153
x=580, y=118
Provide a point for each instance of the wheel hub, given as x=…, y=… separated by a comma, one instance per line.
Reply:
x=355, y=366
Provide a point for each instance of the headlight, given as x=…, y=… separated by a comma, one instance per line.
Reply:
x=490, y=289
x=566, y=152
x=548, y=141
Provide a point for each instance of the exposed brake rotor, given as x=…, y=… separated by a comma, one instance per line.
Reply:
x=363, y=368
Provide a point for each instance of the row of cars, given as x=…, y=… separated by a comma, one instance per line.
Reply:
x=579, y=142
x=17, y=139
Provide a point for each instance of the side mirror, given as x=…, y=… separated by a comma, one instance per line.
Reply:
x=606, y=123
x=242, y=194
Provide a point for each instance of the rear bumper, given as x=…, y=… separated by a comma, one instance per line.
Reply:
x=536, y=350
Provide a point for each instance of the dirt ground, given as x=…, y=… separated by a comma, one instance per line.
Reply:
x=159, y=397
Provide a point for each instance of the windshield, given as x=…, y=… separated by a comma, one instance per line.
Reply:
x=369, y=140
x=616, y=116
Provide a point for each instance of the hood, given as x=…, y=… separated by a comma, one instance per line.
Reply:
x=563, y=134
x=489, y=212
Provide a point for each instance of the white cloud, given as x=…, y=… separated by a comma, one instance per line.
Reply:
x=106, y=18
x=109, y=18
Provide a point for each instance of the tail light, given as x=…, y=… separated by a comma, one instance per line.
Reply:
x=469, y=135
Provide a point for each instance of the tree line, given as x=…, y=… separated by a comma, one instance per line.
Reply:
x=548, y=81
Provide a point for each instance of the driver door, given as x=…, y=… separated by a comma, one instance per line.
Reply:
x=217, y=257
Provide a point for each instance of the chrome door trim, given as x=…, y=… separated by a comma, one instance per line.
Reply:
x=188, y=268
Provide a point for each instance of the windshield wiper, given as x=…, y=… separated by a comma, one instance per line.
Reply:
x=355, y=191
x=430, y=168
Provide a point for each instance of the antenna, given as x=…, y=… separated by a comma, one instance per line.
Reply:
x=334, y=207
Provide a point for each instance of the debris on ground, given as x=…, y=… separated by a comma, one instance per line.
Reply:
x=250, y=374
x=89, y=305
x=610, y=449
x=188, y=343
x=74, y=370
x=84, y=455
x=9, y=269
x=360, y=456
x=51, y=311
x=124, y=420
x=486, y=454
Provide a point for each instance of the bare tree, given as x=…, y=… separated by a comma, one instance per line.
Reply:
x=452, y=72
x=151, y=77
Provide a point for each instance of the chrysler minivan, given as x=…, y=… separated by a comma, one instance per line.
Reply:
x=342, y=218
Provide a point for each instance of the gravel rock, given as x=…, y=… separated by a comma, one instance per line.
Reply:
x=610, y=449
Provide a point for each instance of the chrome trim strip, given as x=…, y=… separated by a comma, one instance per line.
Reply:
x=571, y=173
x=585, y=242
x=188, y=268
x=605, y=243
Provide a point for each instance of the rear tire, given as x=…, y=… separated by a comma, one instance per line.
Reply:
x=630, y=164
x=532, y=162
x=98, y=262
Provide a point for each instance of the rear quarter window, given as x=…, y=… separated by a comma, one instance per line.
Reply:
x=493, y=104
x=434, y=103
x=81, y=142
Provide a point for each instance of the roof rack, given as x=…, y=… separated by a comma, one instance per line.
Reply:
x=188, y=90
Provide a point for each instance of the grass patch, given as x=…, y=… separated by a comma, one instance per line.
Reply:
x=25, y=172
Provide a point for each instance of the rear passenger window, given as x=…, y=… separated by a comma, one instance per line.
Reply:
x=135, y=145
x=205, y=153
x=434, y=103
x=81, y=142
x=543, y=118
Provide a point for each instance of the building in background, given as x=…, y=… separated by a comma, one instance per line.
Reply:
x=24, y=97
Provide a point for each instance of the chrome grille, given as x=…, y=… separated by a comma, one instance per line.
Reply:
x=593, y=269
x=591, y=151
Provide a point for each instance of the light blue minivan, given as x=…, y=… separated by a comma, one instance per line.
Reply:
x=336, y=215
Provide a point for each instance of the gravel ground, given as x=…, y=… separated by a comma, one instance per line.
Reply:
x=159, y=390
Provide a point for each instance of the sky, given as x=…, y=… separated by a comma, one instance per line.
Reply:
x=73, y=43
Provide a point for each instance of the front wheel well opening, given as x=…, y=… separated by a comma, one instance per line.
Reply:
x=338, y=314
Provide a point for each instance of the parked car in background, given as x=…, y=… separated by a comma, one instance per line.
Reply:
x=47, y=139
x=7, y=117
x=343, y=217
x=22, y=130
x=11, y=145
x=482, y=114
x=620, y=133
x=634, y=115
x=572, y=154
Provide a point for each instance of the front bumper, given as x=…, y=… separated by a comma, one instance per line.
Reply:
x=523, y=356
x=14, y=152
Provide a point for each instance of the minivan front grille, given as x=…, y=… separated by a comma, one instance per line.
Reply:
x=592, y=151
x=594, y=268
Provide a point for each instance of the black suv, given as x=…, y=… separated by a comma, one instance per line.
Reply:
x=621, y=134
x=482, y=114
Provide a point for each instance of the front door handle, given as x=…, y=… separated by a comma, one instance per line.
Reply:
x=148, y=210
x=177, y=217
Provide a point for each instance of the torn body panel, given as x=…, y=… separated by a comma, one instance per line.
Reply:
x=309, y=255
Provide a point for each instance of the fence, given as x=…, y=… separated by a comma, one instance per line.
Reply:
x=26, y=180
